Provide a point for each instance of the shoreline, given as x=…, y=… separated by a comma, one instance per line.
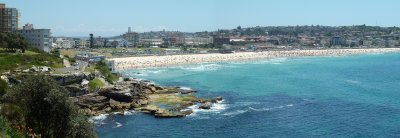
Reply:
x=173, y=60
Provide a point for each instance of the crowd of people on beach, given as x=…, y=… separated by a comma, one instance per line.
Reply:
x=168, y=60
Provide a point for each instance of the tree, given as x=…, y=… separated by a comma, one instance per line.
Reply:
x=12, y=42
x=46, y=108
x=239, y=27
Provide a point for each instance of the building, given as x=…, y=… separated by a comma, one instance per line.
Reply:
x=151, y=42
x=9, y=18
x=131, y=37
x=169, y=41
x=64, y=43
x=82, y=43
x=116, y=43
x=100, y=42
x=337, y=41
x=38, y=38
x=198, y=40
x=220, y=40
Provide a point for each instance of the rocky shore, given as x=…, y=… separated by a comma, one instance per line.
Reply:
x=142, y=96
x=125, y=95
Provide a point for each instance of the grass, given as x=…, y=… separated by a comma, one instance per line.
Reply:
x=69, y=53
x=90, y=69
x=12, y=61
x=102, y=67
x=95, y=84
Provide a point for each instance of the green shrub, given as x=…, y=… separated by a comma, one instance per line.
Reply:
x=13, y=61
x=44, y=106
x=102, y=67
x=3, y=87
x=95, y=84
x=7, y=131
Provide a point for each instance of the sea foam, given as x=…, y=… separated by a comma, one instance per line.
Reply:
x=98, y=120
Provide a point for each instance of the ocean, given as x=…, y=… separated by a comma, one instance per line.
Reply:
x=340, y=96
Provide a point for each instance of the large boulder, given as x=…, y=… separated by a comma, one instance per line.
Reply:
x=91, y=100
x=67, y=79
x=118, y=95
x=76, y=90
x=216, y=99
x=119, y=105
x=206, y=105
x=139, y=102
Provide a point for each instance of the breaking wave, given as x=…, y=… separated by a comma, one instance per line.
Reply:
x=215, y=108
x=98, y=120
x=203, y=67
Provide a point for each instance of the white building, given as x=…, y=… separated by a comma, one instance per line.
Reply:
x=117, y=43
x=38, y=38
x=151, y=41
x=64, y=43
x=198, y=40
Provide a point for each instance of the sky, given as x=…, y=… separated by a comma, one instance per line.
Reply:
x=113, y=17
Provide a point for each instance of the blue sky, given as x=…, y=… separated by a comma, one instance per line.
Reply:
x=113, y=17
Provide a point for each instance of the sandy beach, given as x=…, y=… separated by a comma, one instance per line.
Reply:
x=170, y=60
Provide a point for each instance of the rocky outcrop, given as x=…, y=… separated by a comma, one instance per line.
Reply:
x=68, y=79
x=206, y=105
x=132, y=94
x=119, y=95
x=76, y=90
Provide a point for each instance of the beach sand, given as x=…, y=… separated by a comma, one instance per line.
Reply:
x=170, y=60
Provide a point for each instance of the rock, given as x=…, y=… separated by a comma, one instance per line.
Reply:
x=167, y=114
x=76, y=90
x=45, y=69
x=84, y=82
x=107, y=109
x=25, y=71
x=135, y=94
x=67, y=79
x=90, y=100
x=34, y=69
x=119, y=105
x=127, y=79
x=12, y=79
x=216, y=99
x=139, y=102
x=206, y=105
x=5, y=78
x=149, y=109
x=121, y=96
x=168, y=90
x=187, y=112
x=147, y=91
x=185, y=91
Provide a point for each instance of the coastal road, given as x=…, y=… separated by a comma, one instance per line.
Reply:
x=81, y=65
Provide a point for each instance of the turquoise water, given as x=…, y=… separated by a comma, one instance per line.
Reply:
x=348, y=96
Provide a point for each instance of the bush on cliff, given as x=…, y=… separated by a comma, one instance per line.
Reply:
x=45, y=108
x=102, y=67
x=3, y=87
x=95, y=84
x=6, y=131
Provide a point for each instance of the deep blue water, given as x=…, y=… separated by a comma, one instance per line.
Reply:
x=349, y=96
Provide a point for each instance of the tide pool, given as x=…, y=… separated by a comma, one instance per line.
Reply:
x=346, y=96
